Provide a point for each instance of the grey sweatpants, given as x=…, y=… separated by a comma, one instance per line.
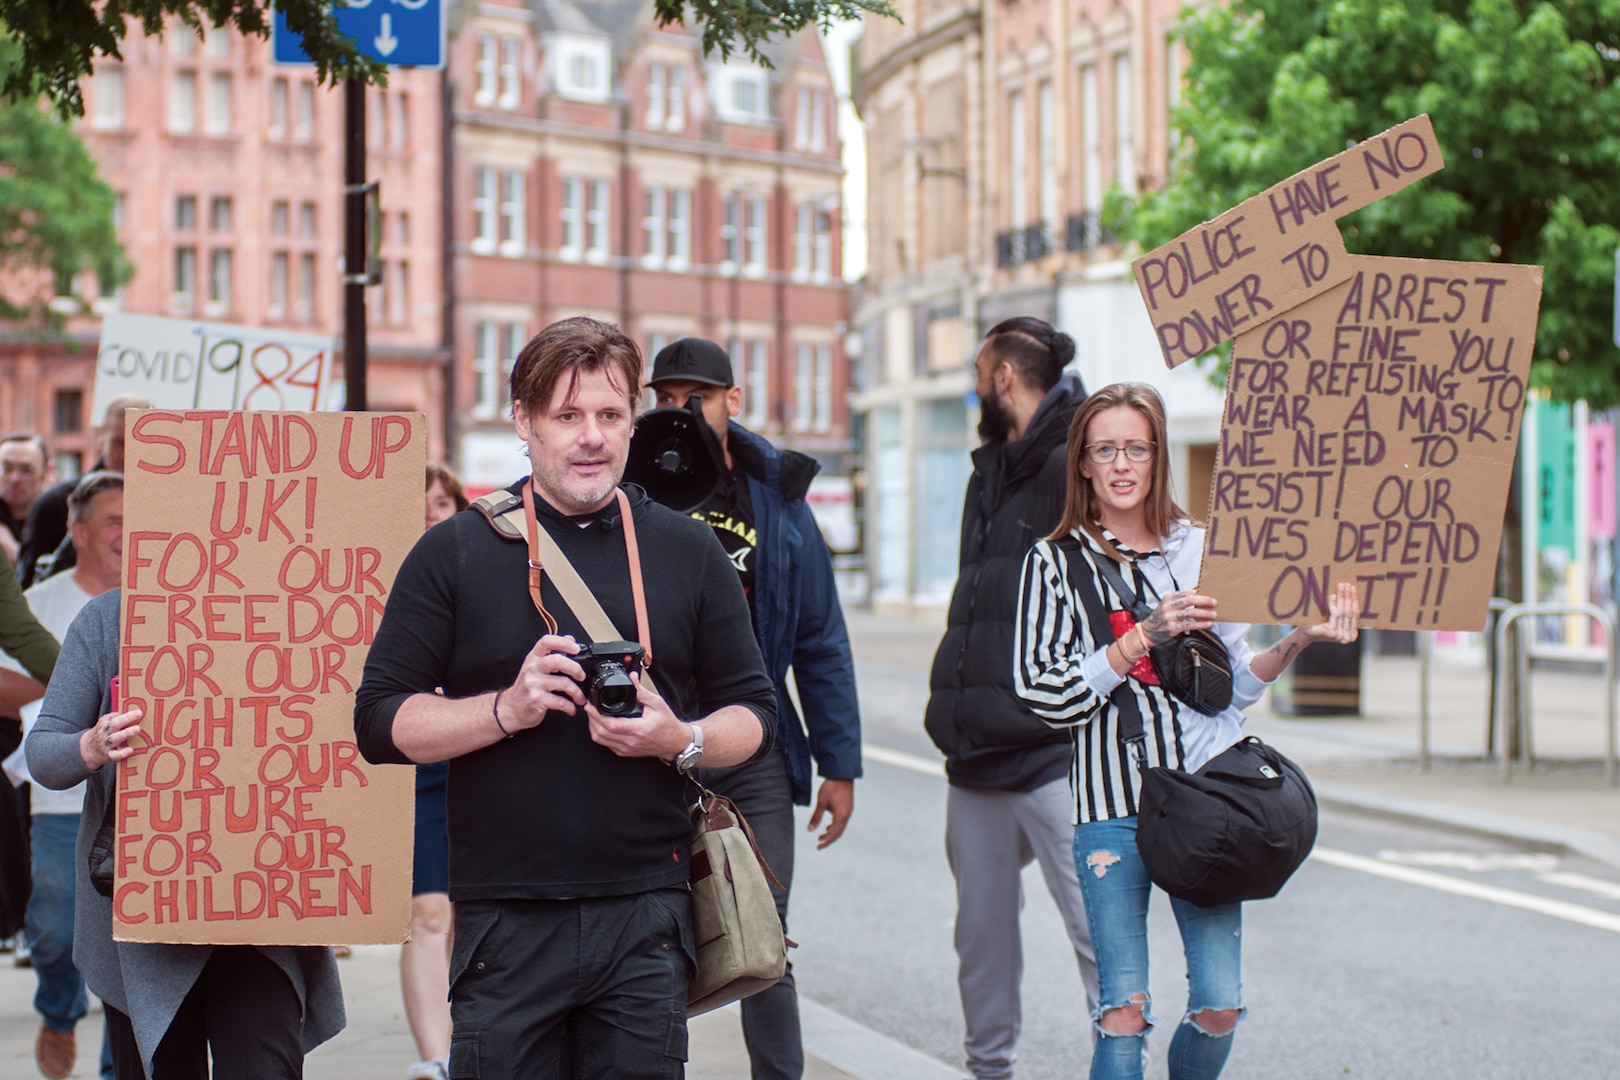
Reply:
x=990, y=836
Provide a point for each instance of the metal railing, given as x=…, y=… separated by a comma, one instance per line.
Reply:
x=1521, y=665
x=1505, y=715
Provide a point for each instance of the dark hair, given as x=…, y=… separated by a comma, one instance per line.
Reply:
x=1036, y=349
x=89, y=486
x=570, y=346
x=447, y=480
x=37, y=441
x=1080, y=508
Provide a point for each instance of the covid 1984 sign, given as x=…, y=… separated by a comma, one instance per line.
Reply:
x=189, y=364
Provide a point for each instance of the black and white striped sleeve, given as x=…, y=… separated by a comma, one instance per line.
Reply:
x=1058, y=670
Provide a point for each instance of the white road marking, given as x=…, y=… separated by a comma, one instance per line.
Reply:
x=1478, y=862
x=1558, y=909
x=1568, y=880
x=902, y=760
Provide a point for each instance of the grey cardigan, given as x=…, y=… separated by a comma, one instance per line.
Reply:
x=145, y=981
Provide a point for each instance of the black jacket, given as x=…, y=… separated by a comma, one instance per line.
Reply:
x=548, y=813
x=1014, y=497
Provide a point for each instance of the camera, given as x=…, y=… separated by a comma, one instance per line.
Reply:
x=608, y=666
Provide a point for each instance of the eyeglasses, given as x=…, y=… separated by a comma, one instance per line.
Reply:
x=1136, y=452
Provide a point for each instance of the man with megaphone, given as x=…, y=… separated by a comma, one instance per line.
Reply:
x=753, y=496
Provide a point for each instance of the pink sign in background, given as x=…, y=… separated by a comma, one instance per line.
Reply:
x=1600, y=500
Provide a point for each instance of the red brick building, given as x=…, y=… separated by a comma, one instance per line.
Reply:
x=604, y=166
x=228, y=171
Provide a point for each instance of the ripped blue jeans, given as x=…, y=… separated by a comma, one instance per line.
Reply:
x=1116, y=888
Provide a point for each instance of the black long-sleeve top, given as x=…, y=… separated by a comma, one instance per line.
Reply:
x=548, y=813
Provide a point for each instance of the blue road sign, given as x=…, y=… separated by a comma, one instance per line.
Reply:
x=400, y=33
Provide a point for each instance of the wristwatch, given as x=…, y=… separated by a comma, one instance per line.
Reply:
x=688, y=759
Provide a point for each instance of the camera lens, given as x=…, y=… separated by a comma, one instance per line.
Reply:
x=612, y=692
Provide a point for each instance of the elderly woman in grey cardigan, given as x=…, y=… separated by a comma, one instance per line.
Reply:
x=259, y=1008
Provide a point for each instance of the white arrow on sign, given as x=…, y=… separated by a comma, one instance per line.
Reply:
x=385, y=41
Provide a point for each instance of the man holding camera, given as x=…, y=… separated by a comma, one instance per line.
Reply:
x=762, y=520
x=569, y=836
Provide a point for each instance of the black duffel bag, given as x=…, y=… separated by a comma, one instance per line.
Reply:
x=1236, y=829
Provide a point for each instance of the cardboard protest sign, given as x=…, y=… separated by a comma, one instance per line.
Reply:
x=189, y=364
x=1369, y=436
x=1276, y=249
x=259, y=550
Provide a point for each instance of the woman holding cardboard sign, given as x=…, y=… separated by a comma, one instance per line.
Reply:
x=256, y=1009
x=1082, y=663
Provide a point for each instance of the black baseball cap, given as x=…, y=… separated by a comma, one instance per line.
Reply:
x=694, y=359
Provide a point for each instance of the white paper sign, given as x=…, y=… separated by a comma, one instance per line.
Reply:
x=190, y=364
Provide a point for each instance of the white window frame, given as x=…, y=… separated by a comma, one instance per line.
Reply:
x=402, y=122
x=185, y=213
x=656, y=115
x=217, y=45
x=804, y=374
x=221, y=214
x=280, y=102
x=399, y=309
x=183, y=102
x=304, y=121
x=731, y=232
x=821, y=254
x=486, y=367
x=581, y=67
x=221, y=272
x=280, y=218
x=1017, y=161
x=221, y=101
x=511, y=73
x=512, y=339
x=756, y=237
x=1090, y=141
x=675, y=105
x=513, y=212
x=654, y=227
x=572, y=210
x=1046, y=147
x=107, y=94
x=804, y=216
x=484, y=209
x=1124, y=125
x=485, y=68
x=818, y=122
x=598, y=222
x=280, y=276
x=183, y=300
x=757, y=384
x=801, y=120
x=822, y=411
x=307, y=223
x=728, y=80
x=304, y=310
x=679, y=211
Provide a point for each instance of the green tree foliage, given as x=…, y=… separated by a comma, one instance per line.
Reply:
x=56, y=213
x=1525, y=101
x=61, y=38
x=728, y=23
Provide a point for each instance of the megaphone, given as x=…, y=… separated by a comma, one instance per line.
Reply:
x=675, y=455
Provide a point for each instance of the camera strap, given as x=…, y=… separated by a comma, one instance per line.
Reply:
x=575, y=593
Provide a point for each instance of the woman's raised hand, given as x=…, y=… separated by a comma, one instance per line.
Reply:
x=1177, y=613
x=1344, y=617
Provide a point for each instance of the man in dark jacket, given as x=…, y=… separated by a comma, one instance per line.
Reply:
x=1009, y=800
x=761, y=517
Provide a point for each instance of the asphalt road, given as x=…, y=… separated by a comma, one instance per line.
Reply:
x=1396, y=952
